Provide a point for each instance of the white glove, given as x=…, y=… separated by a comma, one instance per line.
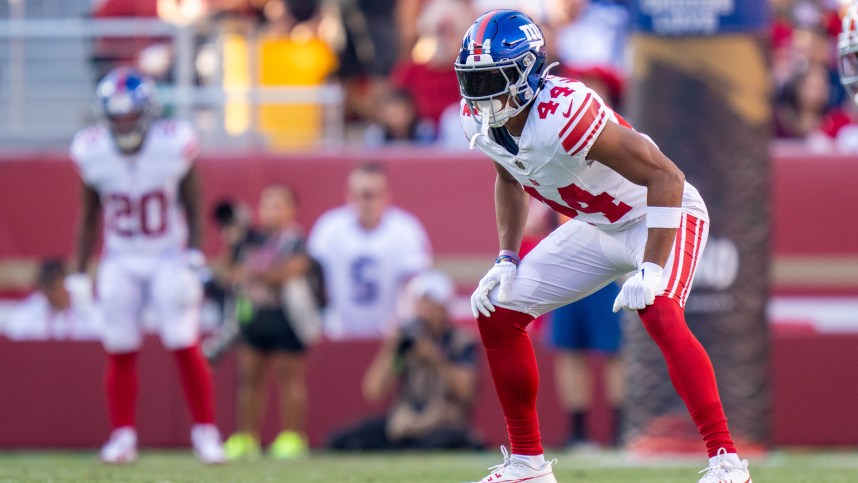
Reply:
x=639, y=290
x=79, y=286
x=502, y=273
x=196, y=261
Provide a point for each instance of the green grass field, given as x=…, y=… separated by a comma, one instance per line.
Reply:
x=180, y=466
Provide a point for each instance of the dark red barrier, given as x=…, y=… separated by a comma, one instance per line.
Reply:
x=52, y=396
x=451, y=193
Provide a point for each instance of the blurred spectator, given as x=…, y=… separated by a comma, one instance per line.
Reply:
x=803, y=103
x=292, y=53
x=269, y=334
x=49, y=313
x=427, y=74
x=435, y=366
x=397, y=121
x=233, y=222
x=368, y=250
x=111, y=52
x=369, y=51
x=591, y=33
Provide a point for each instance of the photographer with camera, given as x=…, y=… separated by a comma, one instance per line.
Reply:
x=434, y=364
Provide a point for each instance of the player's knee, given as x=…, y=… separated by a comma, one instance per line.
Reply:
x=503, y=325
x=178, y=334
x=664, y=320
x=121, y=341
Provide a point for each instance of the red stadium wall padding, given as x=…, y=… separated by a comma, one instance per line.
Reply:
x=450, y=193
x=52, y=394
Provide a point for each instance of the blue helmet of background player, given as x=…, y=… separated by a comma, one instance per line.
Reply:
x=847, y=47
x=501, y=65
x=126, y=100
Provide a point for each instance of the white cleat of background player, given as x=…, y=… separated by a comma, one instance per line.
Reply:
x=208, y=447
x=726, y=468
x=121, y=448
x=514, y=470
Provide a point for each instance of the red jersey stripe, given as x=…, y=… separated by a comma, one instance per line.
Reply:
x=578, y=132
x=592, y=133
x=575, y=116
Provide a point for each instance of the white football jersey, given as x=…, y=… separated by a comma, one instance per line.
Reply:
x=139, y=193
x=365, y=269
x=551, y=165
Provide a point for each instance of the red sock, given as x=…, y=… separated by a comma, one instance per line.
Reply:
x=120, y=382
x=516, y=376
x=690, y=371
x=197, y=383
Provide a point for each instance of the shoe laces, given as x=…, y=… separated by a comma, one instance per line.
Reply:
x=506, y=461
x=719, y=470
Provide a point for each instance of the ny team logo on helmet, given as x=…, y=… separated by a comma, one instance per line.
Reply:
x=847, y=47
x=501, y=65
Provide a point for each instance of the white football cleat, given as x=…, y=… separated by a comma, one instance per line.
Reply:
x=722, y=470
x=513, y=470
x=121, y=448
x=207, y=444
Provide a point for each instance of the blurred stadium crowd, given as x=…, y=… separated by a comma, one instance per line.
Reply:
x=392, y=59
x=386, y=64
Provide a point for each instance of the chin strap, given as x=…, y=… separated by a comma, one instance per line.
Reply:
x=484, y=131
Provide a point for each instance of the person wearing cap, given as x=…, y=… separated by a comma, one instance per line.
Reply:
x=434, y=364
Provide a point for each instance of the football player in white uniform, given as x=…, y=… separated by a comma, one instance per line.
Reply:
x=631, y=210
x=138, y=172
x=368, y=251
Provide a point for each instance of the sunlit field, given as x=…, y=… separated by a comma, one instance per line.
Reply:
x=180, y=466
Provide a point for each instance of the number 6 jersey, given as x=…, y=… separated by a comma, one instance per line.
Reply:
x=550, y=158
x=139, y=193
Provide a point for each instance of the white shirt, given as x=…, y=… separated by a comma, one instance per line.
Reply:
x=139, y=193
x=365, y=270
x=34, y=319
x=551, y=165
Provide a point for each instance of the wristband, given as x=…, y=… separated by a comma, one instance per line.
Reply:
x=663, y=216
x=508, y=255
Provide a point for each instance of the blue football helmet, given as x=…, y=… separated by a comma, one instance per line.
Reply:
x=126, y=100
x=501, y=66
x=847, y=47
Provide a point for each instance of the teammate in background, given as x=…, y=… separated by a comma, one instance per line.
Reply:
x=368, y=250
x=138, y=172
x=265, y=263
x=633, y=212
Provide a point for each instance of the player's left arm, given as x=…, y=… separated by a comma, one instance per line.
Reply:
x=640, y=161
x=190, y=194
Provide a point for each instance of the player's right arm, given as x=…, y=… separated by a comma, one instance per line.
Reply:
x=511, y=205
x=87, y=230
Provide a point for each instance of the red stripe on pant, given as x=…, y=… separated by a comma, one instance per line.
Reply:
x=515, y=374
x=685, y=252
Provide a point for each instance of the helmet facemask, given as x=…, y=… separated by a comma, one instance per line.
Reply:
x=496, y=91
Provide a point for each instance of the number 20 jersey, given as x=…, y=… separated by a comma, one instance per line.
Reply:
x=564, y=121
x=139, y=193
